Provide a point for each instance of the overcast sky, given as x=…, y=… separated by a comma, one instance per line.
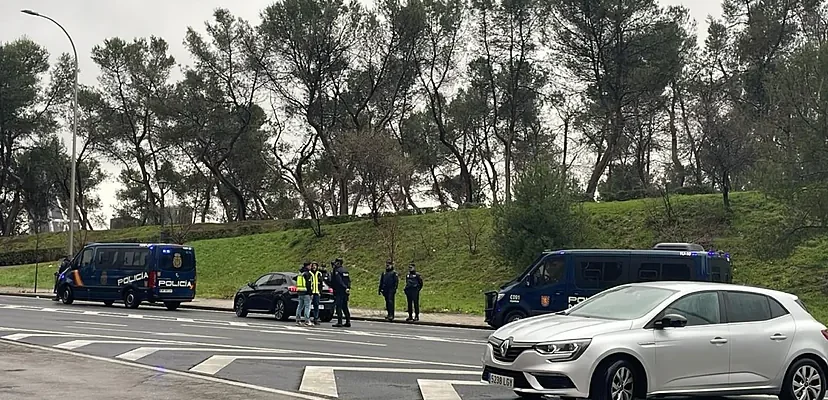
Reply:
x=90, y=22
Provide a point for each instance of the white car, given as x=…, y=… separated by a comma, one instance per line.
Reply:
x=665, y=338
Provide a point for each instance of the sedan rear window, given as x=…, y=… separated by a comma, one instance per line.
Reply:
x=622, y=303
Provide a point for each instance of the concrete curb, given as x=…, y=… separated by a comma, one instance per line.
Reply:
x=226, y=309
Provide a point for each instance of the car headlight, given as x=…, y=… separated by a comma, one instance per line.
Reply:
x=564, y=350
x=500, y=296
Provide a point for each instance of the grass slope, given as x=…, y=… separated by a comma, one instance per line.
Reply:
x=456, y=277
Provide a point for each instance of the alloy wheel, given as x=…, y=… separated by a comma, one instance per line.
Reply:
x=622, y=385
x=807, y=383
x=280, y=310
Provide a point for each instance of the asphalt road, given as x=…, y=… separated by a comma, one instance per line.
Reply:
x=256, y=354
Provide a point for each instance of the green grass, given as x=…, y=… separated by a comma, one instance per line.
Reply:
x=456, y=277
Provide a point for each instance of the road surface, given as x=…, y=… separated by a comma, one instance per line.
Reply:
x=258, y=354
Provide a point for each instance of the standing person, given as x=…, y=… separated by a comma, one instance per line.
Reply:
x=413, y=286
x=317, y=282
x=305, y=289
x=342, y=291
x=64, y=265
x=388, y=284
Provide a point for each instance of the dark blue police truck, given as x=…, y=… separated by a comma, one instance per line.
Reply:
x=560, y=279
x=132, y=273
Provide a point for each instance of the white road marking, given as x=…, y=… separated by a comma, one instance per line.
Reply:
x=98, y=323
x=21, y=336
x=173, y=372
x=216, y=363
x=442, y=390
x=349, y=342
x=192, y=335
x=141, y=352
x=322, y=380
x=273, y=331
x=76, y=344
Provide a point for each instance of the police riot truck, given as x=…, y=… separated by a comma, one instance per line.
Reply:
x=132, y=273
x=557, y=280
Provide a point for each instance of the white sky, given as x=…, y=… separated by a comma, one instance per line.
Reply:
x=90, y=22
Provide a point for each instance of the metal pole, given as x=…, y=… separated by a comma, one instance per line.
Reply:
x=73, y=178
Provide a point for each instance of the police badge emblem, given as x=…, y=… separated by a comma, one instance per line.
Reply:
x=545, y=301
x=177, y=260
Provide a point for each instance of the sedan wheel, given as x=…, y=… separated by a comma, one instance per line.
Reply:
x=238, y=306
x=279, y=311
x=622, y=384
x=614, y=381
x=805, y=381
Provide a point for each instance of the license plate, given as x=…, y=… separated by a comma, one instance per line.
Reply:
x=165, y=291
x=501, y=380
x=321, y=306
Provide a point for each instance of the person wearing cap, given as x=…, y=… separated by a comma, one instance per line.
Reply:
x=341, y=281
x=305, y=289
x=316, y=282
x=413, y=285
x=388, y=283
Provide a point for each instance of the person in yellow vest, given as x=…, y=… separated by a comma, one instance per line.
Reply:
x=304, y=289
x=316, y=283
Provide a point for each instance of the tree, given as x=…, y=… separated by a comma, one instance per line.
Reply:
x=543, y=215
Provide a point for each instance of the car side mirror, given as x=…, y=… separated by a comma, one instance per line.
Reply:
x=671, y=321
x=251, y=285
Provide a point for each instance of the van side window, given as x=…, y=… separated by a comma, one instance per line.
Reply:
x=86, y=258
x=669, y=271
x=550, y=272
x=135, y=259
x=675, y=272
x=649, y=272
x=600, y=275
x=720, y=270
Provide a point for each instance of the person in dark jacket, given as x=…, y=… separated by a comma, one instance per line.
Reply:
x=413, y=286
x=388, y=283
x=64, y=265
x=341, y=283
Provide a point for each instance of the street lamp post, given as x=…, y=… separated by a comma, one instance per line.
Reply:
x=71, y=245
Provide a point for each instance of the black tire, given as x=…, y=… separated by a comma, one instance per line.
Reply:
x=238, y=307
x=109, y=303
x=172, y=305
x=513, y=316
x=807, y=373
x=66, y=294
x=326, y=317
x=280, y=310
x=131, y=299
x=615, y=380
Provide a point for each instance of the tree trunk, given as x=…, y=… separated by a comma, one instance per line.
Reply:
x=437, y=190
x=678, y=168
x=508, y=171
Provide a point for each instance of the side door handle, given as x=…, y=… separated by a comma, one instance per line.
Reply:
x=718, y=340
x=778, y=337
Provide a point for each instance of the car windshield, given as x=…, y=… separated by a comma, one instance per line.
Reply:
x=622, y=303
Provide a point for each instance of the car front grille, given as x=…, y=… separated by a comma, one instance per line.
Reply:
x=512, y=353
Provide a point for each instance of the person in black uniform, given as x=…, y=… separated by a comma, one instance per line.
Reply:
x=64, y=265
x=388, y=284
x=413, y=285
x=342, y=291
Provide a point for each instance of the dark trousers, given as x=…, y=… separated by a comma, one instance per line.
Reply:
x=56, y=282
x=315, y=302
x=413, y=297
x=389, y=303
x=341, y=299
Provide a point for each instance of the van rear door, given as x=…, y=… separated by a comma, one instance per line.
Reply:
x=176, y=273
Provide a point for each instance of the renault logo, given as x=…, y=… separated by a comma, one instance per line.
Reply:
x=504, y=347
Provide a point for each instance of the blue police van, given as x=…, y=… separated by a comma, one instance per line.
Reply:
x=560, y=279
x=132, y=273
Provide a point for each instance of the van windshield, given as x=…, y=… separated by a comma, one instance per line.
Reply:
x=176, y=259
x=525, y=272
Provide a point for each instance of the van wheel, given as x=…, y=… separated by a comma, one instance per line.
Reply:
x=131, y=299
x=513, y=316
x=109, y=303
x=238, y=307
x=280, y=312
x=616, y=381
x=172, y=305
x=804, y=380
x=67, y=295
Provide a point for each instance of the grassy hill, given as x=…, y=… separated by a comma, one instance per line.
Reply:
x=453, y=250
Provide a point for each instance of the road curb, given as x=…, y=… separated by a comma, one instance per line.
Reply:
x=227, y=309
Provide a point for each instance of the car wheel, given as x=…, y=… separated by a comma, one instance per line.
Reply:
x=805, y=380
x=326, y=317
x=513, y=316
x=238, y=307
x=67, y=295
x=616, y=382
x=280, y=311
x=109, y=303
x=131, y=299
x=172, y=305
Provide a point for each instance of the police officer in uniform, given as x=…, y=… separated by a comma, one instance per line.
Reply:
x=388, y=284
x=413, y=285
x=64, y=265
x=341, y=283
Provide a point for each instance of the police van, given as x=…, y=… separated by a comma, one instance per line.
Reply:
x=560, y=279
x=132, y=273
